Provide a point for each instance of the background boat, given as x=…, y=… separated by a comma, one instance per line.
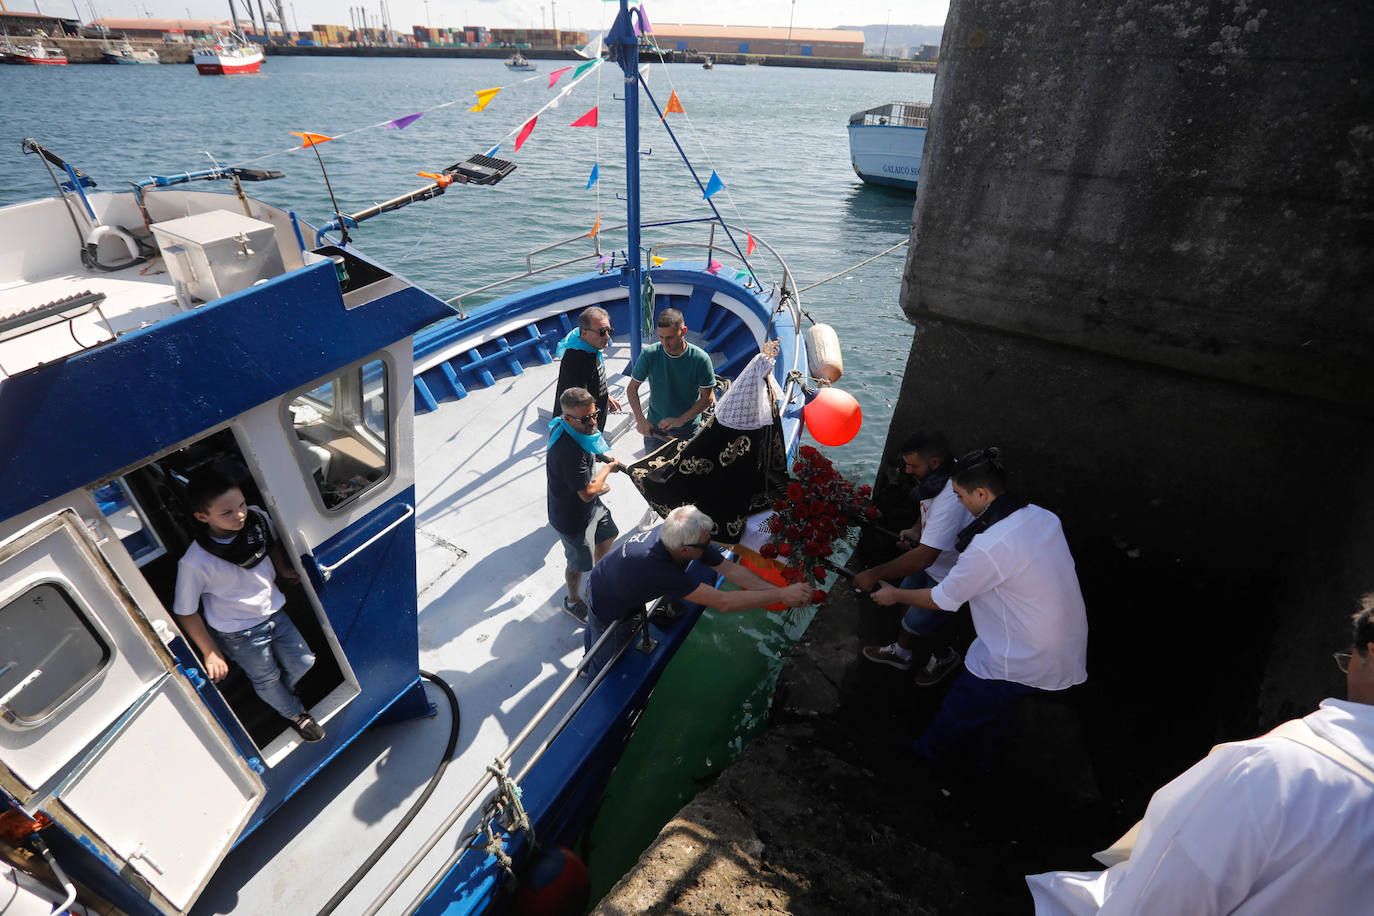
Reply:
x=885, y=143
x=228, y=55
x=24, y=51
x=124, y=52
x=518, y=61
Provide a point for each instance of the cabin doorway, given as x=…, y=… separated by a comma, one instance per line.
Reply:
x=148, y=509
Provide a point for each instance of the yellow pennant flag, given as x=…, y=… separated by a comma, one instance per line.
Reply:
x=596, y=227
x=483, y=97
x=674, y=105
x=309, y=139
x=658, y=262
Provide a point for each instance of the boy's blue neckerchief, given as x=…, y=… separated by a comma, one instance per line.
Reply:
x=574, y=341
x=592, y=445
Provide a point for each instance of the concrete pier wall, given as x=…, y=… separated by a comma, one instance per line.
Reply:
x=1141, y=264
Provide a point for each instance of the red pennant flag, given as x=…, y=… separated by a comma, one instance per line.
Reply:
x=752, y=246
x=309, y=139
x=674, y=105
x=596, y=227
x=524, y=133
x=587, y=120
x=553, y=77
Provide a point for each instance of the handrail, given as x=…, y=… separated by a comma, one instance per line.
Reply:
x=327, y=571
x=504, y=757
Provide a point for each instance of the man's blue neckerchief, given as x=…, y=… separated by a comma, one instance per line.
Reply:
x=592, y=445
x=574, y=341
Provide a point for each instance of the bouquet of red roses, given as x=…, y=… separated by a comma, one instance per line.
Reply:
x=820, y=508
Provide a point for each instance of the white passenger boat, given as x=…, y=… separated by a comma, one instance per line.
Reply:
x=227, y=55
x=518, y=61
x=396, y=441
x=885, y=143
x=123, y=52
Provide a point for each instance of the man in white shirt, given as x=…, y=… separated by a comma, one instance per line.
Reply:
x=1283, y=823
x=1017, y=575
x=927, y=457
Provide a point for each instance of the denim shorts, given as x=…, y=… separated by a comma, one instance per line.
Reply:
x=578, y=550
x=922, y=621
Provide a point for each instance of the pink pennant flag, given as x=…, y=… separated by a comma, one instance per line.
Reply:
x=602, y=260
x=553, y=77
x=587, y=120
x=525, y=132
x=752, y=246
x=714, y=267
x=403, y=123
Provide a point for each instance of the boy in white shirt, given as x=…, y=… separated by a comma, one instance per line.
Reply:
x=224, y=570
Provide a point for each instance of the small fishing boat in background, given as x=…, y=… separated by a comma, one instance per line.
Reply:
x=25, y=51
x=227, y=55
x=885, y=143
x=518, y=61
x=708, y=64
x=124, y=52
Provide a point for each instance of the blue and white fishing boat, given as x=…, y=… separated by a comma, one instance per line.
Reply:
x=885, y=143
x=396, y=441
x=124, y=52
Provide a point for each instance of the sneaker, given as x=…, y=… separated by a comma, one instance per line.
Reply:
x=306, y=726
x=887, y=655
x=577, y=610
x=937, y=669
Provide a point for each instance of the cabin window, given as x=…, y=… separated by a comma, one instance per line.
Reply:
x=126, y=517
x=343, y=433
x=48, y=651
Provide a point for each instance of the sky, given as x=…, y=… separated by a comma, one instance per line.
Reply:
x=583, y=15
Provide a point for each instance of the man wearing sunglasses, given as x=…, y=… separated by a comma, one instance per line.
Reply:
x=1283, y=823
x=576, y=511
x=653, y=564
x=582, y=362
x=681, y=383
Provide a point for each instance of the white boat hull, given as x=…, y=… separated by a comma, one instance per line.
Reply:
x=887, y=154
x=212, y=62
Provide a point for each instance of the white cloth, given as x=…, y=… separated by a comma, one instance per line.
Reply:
x=235, y=598
x=1267, y=826
x=1018, y=578
x=746, y=405
x=942, y=518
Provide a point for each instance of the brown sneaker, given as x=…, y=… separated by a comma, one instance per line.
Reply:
x=887, y=655
x=306, y=726
x=938, y=668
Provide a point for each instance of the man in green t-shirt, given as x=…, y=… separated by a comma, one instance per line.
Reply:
x=681, y=380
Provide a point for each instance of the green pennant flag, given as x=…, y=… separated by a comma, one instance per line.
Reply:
x=584, y=68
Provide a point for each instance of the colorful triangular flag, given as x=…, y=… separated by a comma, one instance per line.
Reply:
x=712, y=186
x=596, y=227
x=553, y=77
x=309, y=139
x=674, y=106
x=741, y=274
x=592, y=179
x=585, y=67
x=587, y=120
x=403, y=123
x=484, y=96
x=525, y=133
x=750, y=249
x=658, y=262
x=713, y=267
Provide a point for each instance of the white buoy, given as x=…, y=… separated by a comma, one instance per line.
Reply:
x=823, y=353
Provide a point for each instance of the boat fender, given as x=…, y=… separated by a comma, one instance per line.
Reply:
x=111, y=248
x=823, y=353
x=555, y=883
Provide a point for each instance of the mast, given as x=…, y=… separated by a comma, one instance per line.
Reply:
x=234, y=15
x=625, y=45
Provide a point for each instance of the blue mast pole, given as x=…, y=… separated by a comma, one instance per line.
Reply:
x=626, y=49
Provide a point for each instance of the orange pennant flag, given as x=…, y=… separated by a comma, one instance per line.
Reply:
x=309, y=139
x=483, y=97
x=752, y=246
x=596, y=227
x=442, y=180
x=674, y=105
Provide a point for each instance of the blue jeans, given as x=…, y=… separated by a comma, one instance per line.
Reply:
x=974, y=709
x=264, y=652
x=922, y=621
x=592, y=632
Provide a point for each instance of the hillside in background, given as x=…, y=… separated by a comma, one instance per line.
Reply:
x=902, y=40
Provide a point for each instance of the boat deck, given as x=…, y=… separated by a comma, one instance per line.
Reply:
x=490, y=582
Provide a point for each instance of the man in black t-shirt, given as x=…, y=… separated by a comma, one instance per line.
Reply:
x=582, y=363
x=574, y=493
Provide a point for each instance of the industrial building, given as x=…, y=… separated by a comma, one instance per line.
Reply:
x=759, y=39
x=538, y=38
x=12, y=23
x=164, y=29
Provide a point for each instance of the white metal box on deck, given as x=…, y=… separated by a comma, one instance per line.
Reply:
x=215, y=253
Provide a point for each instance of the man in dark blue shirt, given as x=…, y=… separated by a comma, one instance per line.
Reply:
x=653, y=564
x=575, y=509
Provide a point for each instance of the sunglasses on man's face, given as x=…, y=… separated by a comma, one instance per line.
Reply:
x=604, y=332
x=589, y=418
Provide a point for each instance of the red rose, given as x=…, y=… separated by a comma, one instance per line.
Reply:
x=768, y=551
x=775, y=524
x=819, y=573
x=825, y=550
x=794, y=493
x=801, y=510
x=785, y=549
x=871, y=512
x=817, y=596
x=791, y=574
x=781, y=505
x=865, y=491
x=792, y=532
x=812, y=549
x=809, y=451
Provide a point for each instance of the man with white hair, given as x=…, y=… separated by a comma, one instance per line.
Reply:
x=653, y=564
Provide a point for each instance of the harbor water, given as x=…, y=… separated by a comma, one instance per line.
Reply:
x=775, y=136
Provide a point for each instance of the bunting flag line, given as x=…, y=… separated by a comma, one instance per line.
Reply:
x=750, y=249
x=602, y=260
x=553, y=77
x=658, y=262
x=713, y=267
x=592, y=180
x=674, y=106
x=596, y=227
x=585, y=67
x=403, y=123
x=484, y=97
x=712, y=186
x=741, y=274
x=587, y=120
x=525, y=133
x=441, y=180
x=309, y=139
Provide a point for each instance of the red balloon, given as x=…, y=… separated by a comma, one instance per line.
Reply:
x=833, y=417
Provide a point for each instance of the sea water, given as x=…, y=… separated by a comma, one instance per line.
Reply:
x=776, y=137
